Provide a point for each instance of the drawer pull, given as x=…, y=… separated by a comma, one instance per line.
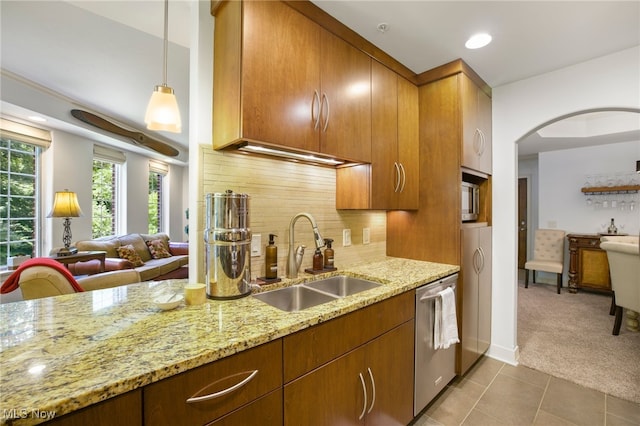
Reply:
x=224, y=391
x=373, y=391
x=364, y=391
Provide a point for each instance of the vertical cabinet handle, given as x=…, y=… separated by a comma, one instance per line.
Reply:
x=476, y=260
x=364, y=391
x=315, y=110
x=373, y=390
x=481, y=259
x=404, y=177
x=224, y=391
x=482, y=142
x=324, y=105
x=396, y=183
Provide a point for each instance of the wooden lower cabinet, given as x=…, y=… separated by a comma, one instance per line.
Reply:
x=165, y=402
x=354, y=369
x=588, y=263
x=372, y=384
x=266, y=411
x=125, y=409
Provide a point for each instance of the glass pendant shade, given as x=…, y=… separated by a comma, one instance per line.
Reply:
x=162, y=111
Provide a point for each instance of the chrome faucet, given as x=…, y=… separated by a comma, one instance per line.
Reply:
x=294, y=260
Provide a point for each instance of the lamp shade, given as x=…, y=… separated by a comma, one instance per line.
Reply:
x=65, y=204
x=162, y=111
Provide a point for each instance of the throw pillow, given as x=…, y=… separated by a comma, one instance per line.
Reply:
x=158, y=249
x=129, y=253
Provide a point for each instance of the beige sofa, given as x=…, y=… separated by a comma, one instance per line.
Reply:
x=148, y=267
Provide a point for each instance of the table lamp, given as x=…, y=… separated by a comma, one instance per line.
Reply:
x=65, y=204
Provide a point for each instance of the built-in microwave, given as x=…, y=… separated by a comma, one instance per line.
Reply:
x=470, y=201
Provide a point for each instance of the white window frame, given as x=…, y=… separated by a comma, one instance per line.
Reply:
x=41, y=139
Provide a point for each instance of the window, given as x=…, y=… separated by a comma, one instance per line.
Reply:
x=157, y=173
x=106, y=178
x=20, y=215
x=155, y=202
x=19, y=192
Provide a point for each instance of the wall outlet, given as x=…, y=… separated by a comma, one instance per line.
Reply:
x=256, y=245
x=346, y=237
x=366, y=235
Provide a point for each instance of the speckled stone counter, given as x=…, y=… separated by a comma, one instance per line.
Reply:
x=64, y=353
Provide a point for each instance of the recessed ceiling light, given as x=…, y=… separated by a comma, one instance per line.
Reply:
x=477, y=41
x=383, y=27
x=37, y=118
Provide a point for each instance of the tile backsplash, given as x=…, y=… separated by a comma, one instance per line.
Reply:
x=279, y=190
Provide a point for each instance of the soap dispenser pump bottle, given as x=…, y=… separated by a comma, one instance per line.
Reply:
x=328, y=253
x=317, y=260
x=271, y=259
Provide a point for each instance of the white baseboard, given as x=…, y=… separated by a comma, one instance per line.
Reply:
x=507, y=355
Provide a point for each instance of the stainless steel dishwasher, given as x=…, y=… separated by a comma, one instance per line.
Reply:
x=434, y=369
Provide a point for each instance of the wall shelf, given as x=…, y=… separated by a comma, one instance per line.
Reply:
x=625, y=189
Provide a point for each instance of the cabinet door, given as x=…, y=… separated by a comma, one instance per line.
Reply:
x=385, y=170
x=346, y=112
x=476, y=126
x=331, y=395
x=280, y=73
x=475, y=315
x=390, y=359
x=408, y=144
x=468, y=295
x=484, y=290
x=484, y=124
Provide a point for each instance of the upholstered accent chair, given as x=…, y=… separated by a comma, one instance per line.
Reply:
x=548, y=255
x=44, y=277
x=624, y=267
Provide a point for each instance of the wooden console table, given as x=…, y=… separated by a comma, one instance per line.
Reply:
x=588, y=264
x=82, y=256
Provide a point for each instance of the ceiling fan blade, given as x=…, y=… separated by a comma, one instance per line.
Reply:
x=139, y=138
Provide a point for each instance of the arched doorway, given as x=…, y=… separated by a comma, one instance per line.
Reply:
x=608, y=82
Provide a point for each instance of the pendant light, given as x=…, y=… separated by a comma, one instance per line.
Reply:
x=162, y=110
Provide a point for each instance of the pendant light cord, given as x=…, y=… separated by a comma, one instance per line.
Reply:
x=166, y=41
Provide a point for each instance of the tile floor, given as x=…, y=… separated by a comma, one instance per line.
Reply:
x=495, y=393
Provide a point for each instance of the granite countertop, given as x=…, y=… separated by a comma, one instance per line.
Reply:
x=63, y=353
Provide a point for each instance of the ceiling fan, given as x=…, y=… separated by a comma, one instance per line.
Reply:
x=137, y=137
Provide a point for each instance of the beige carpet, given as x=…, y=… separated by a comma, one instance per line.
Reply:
x=569, y=336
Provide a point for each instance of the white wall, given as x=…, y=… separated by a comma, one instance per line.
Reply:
x=607, y=82
x=562, y=173
x=67, y=164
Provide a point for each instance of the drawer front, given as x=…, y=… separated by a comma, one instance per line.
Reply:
x=237, y=380
x=267, y=409
x=120, y=410
x=310, y=348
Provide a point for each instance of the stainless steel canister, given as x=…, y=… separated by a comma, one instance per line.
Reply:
x=228, y=245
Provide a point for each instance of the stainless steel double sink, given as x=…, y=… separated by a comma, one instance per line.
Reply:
x=313, y=293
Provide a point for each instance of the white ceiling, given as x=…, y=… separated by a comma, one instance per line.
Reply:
x=107, y=55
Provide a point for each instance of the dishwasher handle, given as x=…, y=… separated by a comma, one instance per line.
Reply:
x=429, y=296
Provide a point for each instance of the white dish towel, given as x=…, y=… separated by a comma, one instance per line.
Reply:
x=445, y=325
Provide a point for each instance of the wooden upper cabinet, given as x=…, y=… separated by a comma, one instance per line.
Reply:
x=476, y=125
x=345, y=92
x=408, y=144
x=386, y=177
x=391, y=181
x=280, y=72
x=282, y=80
